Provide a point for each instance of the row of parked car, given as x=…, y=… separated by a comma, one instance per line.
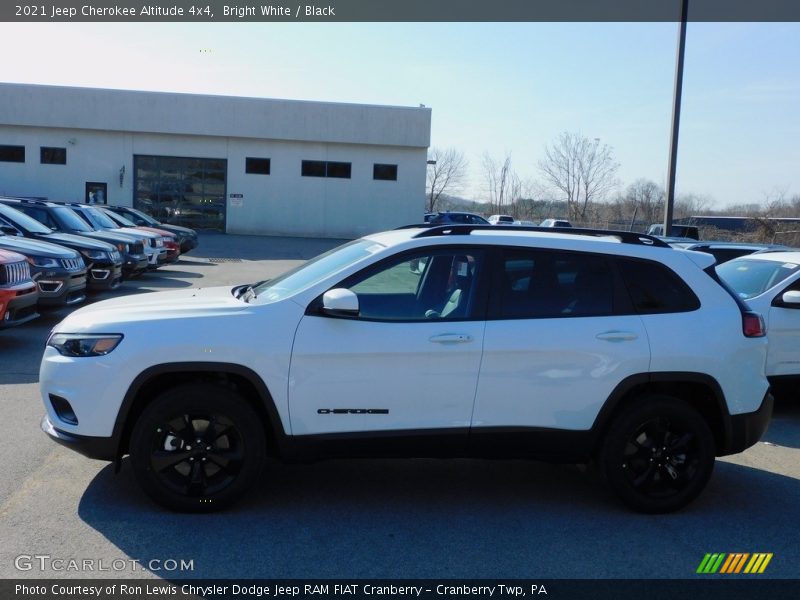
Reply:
x=52, y=253
x=467, y=218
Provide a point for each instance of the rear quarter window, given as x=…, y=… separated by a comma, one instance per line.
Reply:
x=655, y=288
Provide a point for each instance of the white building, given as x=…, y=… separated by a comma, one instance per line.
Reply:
x=244, y=165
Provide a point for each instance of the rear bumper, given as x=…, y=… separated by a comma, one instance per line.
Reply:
x=746, y=429
x=99, y=448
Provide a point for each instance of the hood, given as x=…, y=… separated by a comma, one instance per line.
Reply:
x=75, y=241
x=114, y=238
x=158, y=231
x=179, y=229
x=35, y=248
x=6, y=256
x=182, y=304
x=136, y=231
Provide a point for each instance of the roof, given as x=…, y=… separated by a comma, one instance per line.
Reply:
x=792, y=256
x=226, y=116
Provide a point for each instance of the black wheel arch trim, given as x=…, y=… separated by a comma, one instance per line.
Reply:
x=122, y=427
x=627, y=385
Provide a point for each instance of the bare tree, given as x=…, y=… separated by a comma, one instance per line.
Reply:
x=647, y=200
x=583, y=170
x=447, y=172
x=500, y=180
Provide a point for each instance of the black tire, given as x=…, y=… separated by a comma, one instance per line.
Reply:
x=658, y=455
x=182, y=475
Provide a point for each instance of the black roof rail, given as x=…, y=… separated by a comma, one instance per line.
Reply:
x=627, y=237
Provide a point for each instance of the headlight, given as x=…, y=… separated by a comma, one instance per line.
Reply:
x=43, y=262
x=79, y=344
x=95, y=254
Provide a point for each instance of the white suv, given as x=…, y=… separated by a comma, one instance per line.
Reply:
x=453, y=341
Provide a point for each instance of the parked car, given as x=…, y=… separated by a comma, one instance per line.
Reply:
x=152, y=243
x=59, y=273
x=725, y=251
x=431, y=341
x=447, y=218
x=555, y=223
x=18, y=293
x=64, y=220
x=103, y=261
x=172, y=249
x=686, y=231
x=770, y=283
x=501, y=220
x=187, y=238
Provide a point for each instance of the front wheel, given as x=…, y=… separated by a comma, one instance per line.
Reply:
x=658, y=455
x=197, y=448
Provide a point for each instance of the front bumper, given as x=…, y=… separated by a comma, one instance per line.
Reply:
x=747, y=428
x=188, y=243
x=63, y=289
x=104, y=276
x=134, y=264
x=99, y=448
x=21, y=308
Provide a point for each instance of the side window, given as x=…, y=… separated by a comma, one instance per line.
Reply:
x=543, y=284
x=432, y=285
x=655, y=288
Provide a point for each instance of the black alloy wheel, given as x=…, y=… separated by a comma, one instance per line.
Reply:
x=197, y=448
x=658, y=455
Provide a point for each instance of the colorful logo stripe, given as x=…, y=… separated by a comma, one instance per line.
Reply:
x=732, y=563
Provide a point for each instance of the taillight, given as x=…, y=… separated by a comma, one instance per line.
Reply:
x=753, y=325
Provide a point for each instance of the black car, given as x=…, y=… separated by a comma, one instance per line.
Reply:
x=187, y=238
x=449, y=218
x=59, y=273
x=725, y=251
x=102, y=260
x=63, y=219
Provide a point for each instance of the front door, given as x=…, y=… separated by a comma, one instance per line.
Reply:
x=408, y=364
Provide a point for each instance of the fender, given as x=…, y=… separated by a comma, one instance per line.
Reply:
x=122, y=427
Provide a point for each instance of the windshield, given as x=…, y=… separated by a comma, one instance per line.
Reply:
x=70, y=220
x=751, y=278
x=144, y=217
x=99, y=219
x=118, y=218
x=315, y=270
x=15, y=217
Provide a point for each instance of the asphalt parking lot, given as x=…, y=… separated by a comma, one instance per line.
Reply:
x=366, y=518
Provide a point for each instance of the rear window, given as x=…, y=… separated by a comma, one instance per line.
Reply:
x=656, y=289
x=750, y=278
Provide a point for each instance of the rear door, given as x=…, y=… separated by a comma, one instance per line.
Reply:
x=557, y=341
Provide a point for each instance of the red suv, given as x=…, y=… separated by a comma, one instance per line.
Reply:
x=18, y=293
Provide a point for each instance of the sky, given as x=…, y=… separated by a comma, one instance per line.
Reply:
x=494, y=88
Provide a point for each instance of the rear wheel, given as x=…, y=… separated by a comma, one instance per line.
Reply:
x=658, y=455
x=197, y=448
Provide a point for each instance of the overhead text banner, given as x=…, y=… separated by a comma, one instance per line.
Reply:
x=397, y=10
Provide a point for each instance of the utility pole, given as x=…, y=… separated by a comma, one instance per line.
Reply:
x=676, y=120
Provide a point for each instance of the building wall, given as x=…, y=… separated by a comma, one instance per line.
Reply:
x=102, y=130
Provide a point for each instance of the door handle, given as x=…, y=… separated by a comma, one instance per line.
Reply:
x=617, y=336
x=451, y=338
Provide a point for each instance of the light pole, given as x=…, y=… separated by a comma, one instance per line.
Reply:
x=676, y=119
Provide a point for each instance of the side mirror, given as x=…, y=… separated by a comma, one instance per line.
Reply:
x=340, y=302
x=791, y=299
